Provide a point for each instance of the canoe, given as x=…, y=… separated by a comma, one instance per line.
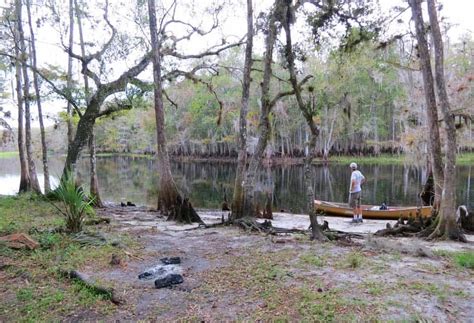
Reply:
x=372, y=211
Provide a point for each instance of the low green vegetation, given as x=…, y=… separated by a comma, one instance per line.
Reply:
x=32, y=288
x=382, y=159
x=74, y=203
x=386, y=159
x=8, y=154
x=312, y=260
x=352, y=260
x=463, y=259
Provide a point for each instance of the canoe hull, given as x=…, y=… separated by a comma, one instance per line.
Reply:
x=371, y=212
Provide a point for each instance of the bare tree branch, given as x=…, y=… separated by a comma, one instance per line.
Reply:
x=55, y=89
x=287, y=93
x=173, y=53
x=114, y=108
x=170, y=100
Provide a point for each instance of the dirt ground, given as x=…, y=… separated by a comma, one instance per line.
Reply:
x=233, y=275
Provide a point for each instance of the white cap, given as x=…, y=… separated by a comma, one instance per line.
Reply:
x=353, y=165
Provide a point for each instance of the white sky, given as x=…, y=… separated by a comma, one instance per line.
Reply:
x=457, y=12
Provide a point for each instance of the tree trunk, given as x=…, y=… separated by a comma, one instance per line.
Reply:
x=308, y=111
x=29, y=149
x=34, y=183
x=238, y=198
x=447, y=227
x=25, y=184
x=94, y=182
x=170, y=201
x=83, y=131
x=44, y=148
x=431, y=108
x=70, y=135
x=94, y=187
x=264, y=126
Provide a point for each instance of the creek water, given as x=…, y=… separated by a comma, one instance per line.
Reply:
x=126, y=178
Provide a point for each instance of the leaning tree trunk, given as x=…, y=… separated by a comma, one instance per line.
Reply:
x=94, y=182
x=25, y=184
x=81, y=138
x=170, y=201
x=447, y=227
x=430, y=97
x=308, y=111
x=238, y=198
x=44, y=148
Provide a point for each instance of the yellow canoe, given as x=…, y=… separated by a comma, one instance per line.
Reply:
x=372, y=211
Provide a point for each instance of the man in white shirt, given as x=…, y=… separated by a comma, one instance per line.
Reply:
x=357, y=179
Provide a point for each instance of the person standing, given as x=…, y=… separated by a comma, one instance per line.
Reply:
x=355, y=190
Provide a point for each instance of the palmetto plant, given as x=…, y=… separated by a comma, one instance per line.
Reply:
x=75, y=204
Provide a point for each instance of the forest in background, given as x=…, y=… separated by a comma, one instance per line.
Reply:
x=369, y=101
x=332, y=79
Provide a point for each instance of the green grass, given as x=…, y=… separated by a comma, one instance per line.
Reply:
x=463, y=259
x=32, y=289
x=374, y=288
x=427, y=287
x=8, y=154
x=465, y=159
x=352, y=260
x=312, y=260
x=23, y=213
x=462, y=159
x=382, y=159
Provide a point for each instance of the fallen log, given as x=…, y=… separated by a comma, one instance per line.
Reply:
x=108, y=293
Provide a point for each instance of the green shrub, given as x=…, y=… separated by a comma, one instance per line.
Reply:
x=75, y=205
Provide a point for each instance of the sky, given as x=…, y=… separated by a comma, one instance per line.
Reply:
x=457, y=12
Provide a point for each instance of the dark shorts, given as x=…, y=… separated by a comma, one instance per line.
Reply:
x=354, y=200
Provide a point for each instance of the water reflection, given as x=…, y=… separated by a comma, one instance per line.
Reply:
x=124, y=178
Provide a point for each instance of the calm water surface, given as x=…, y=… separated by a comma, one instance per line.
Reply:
x=125, y=178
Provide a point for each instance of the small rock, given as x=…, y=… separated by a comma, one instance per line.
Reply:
x=171, y=260
x=20, y=241
x=145, y=275
x=169, y=280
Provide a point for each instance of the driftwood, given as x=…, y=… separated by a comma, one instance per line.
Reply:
x=108, y=293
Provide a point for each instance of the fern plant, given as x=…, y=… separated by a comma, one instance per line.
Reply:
x=75, y=204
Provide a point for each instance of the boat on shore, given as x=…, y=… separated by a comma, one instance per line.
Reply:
x=372, y=211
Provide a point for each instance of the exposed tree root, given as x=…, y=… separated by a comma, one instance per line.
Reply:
x=100, y=290
x=429, y=229
x=183, y=212
x=439, y=235
x=249, y=224
x=413, y=226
